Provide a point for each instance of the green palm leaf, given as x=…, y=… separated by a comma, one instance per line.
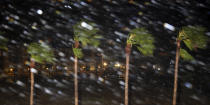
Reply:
x=41, y=52
x=86, y=33
x=185, y=55
x=194, y=37
x=143, y=40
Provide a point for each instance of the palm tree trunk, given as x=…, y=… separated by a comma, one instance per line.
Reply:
x=127, y=50
x=176, y=72
x=76, y=76
x=75, y=81
x=32, y=83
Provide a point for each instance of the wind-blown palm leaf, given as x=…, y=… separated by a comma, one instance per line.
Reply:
x=87, y=33
x=3, y=43
x=185, y=55
x=41, y=52
x=194, y=37
x=143, y=40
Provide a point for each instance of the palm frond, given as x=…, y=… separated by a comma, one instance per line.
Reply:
x=185, y=55
x=87, y=33
x=41, y=52
x=194, y=37
x=143, y=40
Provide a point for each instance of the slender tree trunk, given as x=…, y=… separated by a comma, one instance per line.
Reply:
x=32, y=83
x=176, y=72
x=76, y=76
x=75, y=81
x=127, y=50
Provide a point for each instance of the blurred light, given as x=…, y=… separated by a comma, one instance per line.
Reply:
x=39, y=11
x=65, y=68
x=117, y=65
x=83, y=67
x=47, y=68
x=92, y=68
x=11, y=69
x=168, y=26
x=99, y=66
x=105, y=64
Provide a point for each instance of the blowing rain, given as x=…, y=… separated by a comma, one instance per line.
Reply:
x=104, y=52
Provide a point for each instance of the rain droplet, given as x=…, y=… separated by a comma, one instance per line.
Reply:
x=39, y=11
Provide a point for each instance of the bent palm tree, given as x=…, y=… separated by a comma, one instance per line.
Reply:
x=86, y=33
x=40, y=53
x=144, y=42
x=193, y=37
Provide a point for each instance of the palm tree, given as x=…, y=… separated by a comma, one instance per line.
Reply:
x=193, y=37
x=144, y=42
x=86, y=33
x=40, y=53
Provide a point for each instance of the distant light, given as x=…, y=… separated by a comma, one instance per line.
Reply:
x=83, y=67
x=11, y=69
x=168, y=26
x=92, y=68
x=105, y=64
x=47, y=68
x=39, y=11
x=65, y=68
x=85, y=25
x=117, y=65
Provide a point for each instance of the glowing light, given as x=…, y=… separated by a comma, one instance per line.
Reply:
x=39, y=11
x=105, y=64
x=83, y=67
x=117, y=65
x=92, y=68
x=11, y=69
x=47, y=68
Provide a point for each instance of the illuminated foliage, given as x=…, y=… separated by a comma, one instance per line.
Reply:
x=193, y=37
x=41, y=52
x=185, y=55
x=143, y=40
x=87, y=34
